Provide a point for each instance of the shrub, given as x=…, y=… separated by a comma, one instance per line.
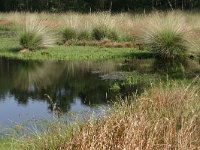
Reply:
x=84, y=35
x=69, y=34
x=36, y=34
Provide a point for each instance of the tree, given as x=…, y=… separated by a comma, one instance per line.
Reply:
x=97, y=5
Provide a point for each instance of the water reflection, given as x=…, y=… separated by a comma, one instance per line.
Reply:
x=62, y=81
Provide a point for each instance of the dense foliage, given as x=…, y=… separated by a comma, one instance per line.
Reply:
x=97, y=5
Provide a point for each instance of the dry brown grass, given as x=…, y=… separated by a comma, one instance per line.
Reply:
x=121, y=23
x=102, y=43
x=5, y=22
x=162, y=118
x=124, y=25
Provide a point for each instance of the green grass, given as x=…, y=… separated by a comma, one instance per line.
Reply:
x=6, y=144
x=9, y=47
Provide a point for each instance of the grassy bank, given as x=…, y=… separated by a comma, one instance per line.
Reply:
x=165, y=116
x=10, y=48
x=174, y=37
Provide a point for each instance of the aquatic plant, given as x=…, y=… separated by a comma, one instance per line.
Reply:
x=115, y=87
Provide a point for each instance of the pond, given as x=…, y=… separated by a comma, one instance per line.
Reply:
x=39, y=91
x=29, y=90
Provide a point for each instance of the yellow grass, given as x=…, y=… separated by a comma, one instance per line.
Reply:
x=123, y=24
x=162, y=118
x=80, y=22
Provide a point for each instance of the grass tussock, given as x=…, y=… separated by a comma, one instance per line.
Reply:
x=120, y=24
x=36, y=35
x=84, y=35
x=167, y=35
x=102, y=32
x=69, y=34
x=162, y=118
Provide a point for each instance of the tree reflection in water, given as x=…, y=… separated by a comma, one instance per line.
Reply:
x=62, y=81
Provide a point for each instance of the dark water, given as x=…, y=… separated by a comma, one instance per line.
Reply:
x=76, y=88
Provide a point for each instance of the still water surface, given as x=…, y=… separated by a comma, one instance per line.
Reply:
x=76, y=87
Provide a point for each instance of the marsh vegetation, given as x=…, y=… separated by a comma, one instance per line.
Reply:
x=150, y=88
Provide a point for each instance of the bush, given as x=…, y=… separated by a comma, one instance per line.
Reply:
x=69, y=34
x=84, y=35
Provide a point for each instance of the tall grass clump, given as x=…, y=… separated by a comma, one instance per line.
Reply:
x=4, y=28
x=84, y=35
x=112, y=35
x=167, y=35
x=164, y=117
x=30, y=40
x=101, y=32
x=69, y=34
x=36, y=35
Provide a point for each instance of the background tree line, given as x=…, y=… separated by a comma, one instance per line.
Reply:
x=96, y=5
